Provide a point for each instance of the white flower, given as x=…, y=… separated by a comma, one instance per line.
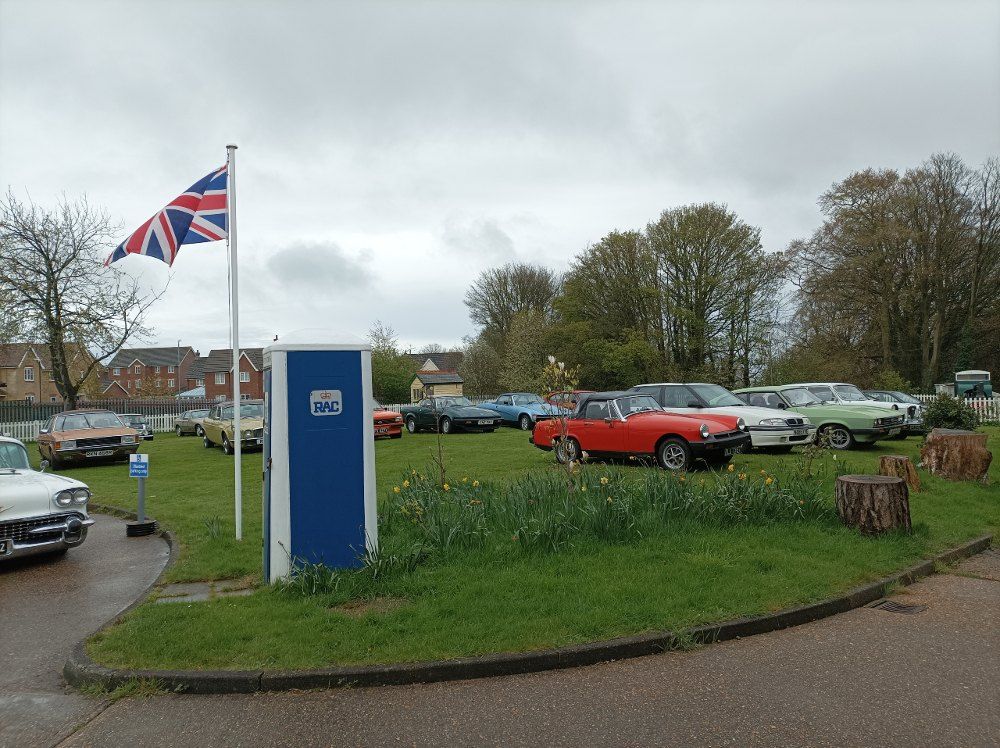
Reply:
x=552, y=359
x=561, y=366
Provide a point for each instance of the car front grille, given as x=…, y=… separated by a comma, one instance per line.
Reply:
x=258, y=433
x=385, y=421
x=891, y=421
x=18, y=529
x=104, y=441
x=795, y=421
x=727, y=434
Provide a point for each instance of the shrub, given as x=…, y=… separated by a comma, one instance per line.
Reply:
x=950, y=413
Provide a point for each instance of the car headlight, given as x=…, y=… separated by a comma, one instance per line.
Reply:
x=773, y=422
x=128, y=440
x=246, y=434
x=64, y=498
x=741, y=424
x=399, y=419
x=81, y=496
x=703, y=431
x=806, y=421
x=69, y=444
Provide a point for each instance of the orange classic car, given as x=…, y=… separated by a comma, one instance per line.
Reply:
x=388, y=423
x=86, y=436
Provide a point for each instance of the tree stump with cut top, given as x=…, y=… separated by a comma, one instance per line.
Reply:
x=899, y=466
x=873, y=504
x=956, y=454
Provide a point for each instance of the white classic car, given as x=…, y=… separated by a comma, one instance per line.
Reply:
x=771, y=429
x=39, y=512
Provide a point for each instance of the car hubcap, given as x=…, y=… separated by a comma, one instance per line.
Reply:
x=673, y=457
x=525, y=423
x=446, y=426
x=839, y=439
x=567, y=450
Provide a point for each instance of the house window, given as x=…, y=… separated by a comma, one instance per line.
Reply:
x=170, y=383
x=156, y=369
x=170, y=370
x=29, y=373
x=128, y=384
x=53, y=399
x=220, y=377
x=137, y=370
x=138, y=384
x=219, y=398
x=159, y=382
x=244, y=376
x=116, y=372
x=244, y=396
x=30, y=399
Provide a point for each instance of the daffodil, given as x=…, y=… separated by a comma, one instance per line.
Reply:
x=465, y=479
x=604, y=480
x=768, y=481
x=406, y=484
x=743, y=476
x=475, y=484
x=732, y=468
x=395, y=489
x=446, y=487
x=583, y=488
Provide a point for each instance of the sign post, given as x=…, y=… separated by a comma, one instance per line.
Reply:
x=138, y=467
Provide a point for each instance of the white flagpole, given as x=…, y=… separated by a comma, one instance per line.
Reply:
x=235, y=304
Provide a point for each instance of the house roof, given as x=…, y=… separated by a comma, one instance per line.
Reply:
x=149, y=356
x=12, y=354
x=446, y=361
x=435, y=377
x=197, y=368
x=222, y=359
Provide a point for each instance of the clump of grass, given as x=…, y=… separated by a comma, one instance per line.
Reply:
x=213, y=526
x=141, y=688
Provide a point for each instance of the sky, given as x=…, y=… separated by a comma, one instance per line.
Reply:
x=389, y=152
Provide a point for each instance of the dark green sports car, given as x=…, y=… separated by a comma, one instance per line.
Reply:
x=448, y=413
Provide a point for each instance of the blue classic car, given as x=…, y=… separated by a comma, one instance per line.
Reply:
x=522, y=408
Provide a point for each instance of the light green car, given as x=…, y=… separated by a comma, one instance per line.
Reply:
x=841, y=426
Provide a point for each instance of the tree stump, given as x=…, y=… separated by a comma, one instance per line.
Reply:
x=899, y=466
x=873, y=504
x=956, y=454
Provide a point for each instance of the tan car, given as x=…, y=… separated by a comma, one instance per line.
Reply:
x=78, y=436
x=217, y=426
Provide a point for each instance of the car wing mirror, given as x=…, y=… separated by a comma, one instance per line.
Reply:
x=44, y=465
x=43, y=431
x=781, y=406
x=693, y=404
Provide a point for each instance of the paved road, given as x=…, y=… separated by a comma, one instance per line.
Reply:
x=864, y=678
x=46, y=606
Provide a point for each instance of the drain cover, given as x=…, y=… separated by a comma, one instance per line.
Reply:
x=894, y=607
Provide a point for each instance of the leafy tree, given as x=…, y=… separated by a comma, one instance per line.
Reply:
x=525, y=353
x=392, y=372
x=480, y=368
x=55, y=285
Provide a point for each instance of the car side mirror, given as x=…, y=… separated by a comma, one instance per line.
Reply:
x=781, y=406
x=43, y=431
x=693, y=404
x=44, y=465
x=608, y=420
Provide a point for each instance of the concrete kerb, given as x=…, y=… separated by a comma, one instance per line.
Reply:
x=81, y=670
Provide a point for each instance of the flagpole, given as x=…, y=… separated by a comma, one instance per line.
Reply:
x=235, y=310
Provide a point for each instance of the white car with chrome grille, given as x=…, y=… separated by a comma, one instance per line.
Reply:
x=39, y=512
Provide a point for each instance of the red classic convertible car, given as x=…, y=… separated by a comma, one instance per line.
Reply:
x=615, y=424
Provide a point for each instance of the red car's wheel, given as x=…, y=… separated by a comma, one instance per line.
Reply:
x=674, y=453
x=567, y=450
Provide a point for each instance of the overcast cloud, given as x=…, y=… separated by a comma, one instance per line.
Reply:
x=389, y=152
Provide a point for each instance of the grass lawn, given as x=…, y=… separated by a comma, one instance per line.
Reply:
x=497, y=598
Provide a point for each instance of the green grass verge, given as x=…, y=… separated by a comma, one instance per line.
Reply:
x=497, y=599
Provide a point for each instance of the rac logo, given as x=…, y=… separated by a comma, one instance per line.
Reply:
x=326, y=403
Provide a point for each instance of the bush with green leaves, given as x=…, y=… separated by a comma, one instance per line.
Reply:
x=950, y=413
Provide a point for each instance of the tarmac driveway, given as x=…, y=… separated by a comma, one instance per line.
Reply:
x=46, y=607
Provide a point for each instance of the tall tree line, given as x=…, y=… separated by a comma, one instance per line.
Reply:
x=902, y=281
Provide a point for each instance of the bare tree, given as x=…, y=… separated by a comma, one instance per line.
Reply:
x=58, y=290
x=500, y=294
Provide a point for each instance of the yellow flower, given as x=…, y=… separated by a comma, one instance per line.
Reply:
x=423, y=477
x=610, y=499
x=681, y=478
x=465, y=479
x=583, y=488
x=801, y=502
x=763, y=472
x=395, y=489
x=406, y=484
x=731, y=468
x=446, y=487
x=743, y=476
x=413, y=472
x=604, y=480
x=475, y=484
x=768, y=481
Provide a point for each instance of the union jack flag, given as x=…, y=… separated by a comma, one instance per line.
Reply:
x=199, y=215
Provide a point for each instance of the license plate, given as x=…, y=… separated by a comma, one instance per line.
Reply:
x=4, y=547
x=893, y=432
x=100, y=453
x=486, y=422
x=800, y=432
x=382, y=430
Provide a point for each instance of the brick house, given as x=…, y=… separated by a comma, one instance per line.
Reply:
x=26, y=372
x=148, y=372
x=438, y=375
x=218, y=370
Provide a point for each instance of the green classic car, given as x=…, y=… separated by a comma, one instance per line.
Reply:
x=842, y=426
x=448, y=413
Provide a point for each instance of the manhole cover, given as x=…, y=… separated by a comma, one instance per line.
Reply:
x=894, y=607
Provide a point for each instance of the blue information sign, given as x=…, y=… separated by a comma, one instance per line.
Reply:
x=138, y=466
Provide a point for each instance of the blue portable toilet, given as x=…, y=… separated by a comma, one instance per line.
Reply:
x=319, y=456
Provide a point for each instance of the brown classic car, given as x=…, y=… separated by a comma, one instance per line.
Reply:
x=76, y=436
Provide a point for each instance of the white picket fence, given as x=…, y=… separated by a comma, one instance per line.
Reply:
x=988, y=408
x=27, y=431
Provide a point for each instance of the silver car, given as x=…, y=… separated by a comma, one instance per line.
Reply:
x=39, y=512
x=189, y=422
